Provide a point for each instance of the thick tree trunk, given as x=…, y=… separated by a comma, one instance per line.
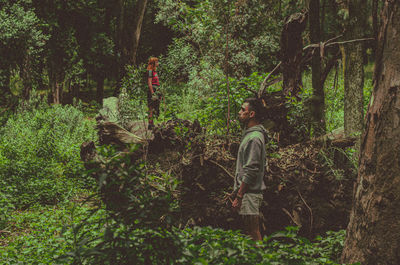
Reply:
x=292, y=53
x=353, y=70
x=318, y=100
x=373, y=232
x=375, y=23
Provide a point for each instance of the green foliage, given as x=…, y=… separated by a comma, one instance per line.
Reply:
x=179, y=62
x=299, y=114
x=6, y=207
x=19, y=32
x=136, y=203
x=40, y=153
x=300, y=109
x=205, y=245
x=130, y=194
x=239, y=38
x=21, y=41
x=137, y=228
x=34, y=236
x=213, y=110
x=84, y=234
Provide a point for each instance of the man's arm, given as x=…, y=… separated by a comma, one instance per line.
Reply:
x=237, y=202
x=252, y=160
x=150, y=85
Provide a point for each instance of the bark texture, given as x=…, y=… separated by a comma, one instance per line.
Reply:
x=373, y=233
x=354, y=70
x=4, y=83
x=141, y=7
x=318, y=100
x=292, y=53
x=129, y=26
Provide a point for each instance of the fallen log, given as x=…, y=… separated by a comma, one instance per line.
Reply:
x=112, y=133
x=306, y=186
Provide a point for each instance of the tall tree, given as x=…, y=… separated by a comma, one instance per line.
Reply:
x=61, y=48
x=373, y=231
x=318, y=98
x=20, y=42
x=291, y=53
x=353, y=66
x=130, y=16
x=94, y=34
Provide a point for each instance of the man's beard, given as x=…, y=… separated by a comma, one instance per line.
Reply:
x=243, y=122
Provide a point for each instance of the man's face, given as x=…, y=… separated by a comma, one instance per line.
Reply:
x=245, y=114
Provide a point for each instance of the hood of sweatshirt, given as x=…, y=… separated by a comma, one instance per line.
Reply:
x=259, y=128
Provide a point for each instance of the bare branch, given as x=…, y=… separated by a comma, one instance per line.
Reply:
x=322, y=45
x=224, y=169
x=326, y=44
x=264, y=83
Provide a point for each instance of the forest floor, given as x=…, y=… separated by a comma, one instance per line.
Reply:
x=309, y=184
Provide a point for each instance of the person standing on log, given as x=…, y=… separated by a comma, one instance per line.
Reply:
x=153, y=97
x=250, y=168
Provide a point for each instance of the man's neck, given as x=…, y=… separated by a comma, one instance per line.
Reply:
x=252, y=123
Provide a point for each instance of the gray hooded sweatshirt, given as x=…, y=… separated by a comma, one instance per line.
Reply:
x=250, y=163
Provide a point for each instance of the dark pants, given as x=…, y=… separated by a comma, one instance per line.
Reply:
x=154, y=103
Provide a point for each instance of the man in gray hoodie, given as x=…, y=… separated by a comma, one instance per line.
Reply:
x=250, y=167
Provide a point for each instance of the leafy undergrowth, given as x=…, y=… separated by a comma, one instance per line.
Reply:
x=137, y=231
x=68, y=234
x=39, y=154
x=37, y=236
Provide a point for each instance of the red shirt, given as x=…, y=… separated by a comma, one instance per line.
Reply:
x=154, y=78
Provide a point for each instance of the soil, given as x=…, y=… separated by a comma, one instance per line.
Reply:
x=309, y=184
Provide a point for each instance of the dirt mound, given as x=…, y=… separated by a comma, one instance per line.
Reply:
x=309, y=185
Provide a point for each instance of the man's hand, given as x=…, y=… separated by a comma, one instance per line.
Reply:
x=237, y=203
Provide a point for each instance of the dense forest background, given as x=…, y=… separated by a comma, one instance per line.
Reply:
x=71, y=72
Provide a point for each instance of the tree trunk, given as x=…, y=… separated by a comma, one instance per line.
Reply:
x=129, y=21
x=318, y=98
x=120, y=45
x=100, y=89
x=373, y=231
x=292, y=53
x=4, y=83
x=375, y=23
x=354, y=70
x=137, y=27
x=26, y=76
x=56, y=86
x=75, y=91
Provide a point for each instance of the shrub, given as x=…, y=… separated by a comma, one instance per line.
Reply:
x=39, y=153
x=213, y=111
x=130, y=195
x=137, y=228
x=204, y=245
x=34, y=236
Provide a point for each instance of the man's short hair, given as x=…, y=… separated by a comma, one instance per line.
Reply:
x=256, y=105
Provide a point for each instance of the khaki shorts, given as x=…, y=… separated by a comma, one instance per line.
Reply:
x=251, y=204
